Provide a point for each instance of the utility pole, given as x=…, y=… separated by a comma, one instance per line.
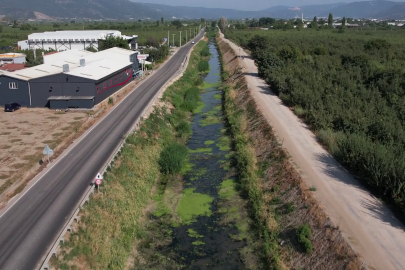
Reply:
x=173, y=39
x=180, y=38
x=168, y=39
x=186, y=36
x=190, y=34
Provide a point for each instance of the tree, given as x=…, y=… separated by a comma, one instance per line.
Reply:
x=162, y=21
x=258, y=43
x=344, y=23
x=330, y=20
x=223, y=23
x=111, y=42
x=15, y=25
x=25, y=26
x=91, y=49
x=152, y=41
x=177, y=23
x=314, y=23
x=157, y=23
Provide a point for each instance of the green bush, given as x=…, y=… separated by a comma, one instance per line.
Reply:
x=203, y=66
x=172, y=158
x=205, y=51
x=303, y=236
x=191, y=98
x=183, y=128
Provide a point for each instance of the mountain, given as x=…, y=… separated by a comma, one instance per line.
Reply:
x=363, y=9
x=308, y=10
x=200, y=12
x=93, y=9
x=125, y=9
x=396, y=12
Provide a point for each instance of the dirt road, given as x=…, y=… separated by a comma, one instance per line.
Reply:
x=369, y=226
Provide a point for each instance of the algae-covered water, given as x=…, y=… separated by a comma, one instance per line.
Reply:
x=208, y=228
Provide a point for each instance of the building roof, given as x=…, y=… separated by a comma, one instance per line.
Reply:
x=40, y=71
x=97, y=70
x=69, y=56
x=11, y=55
x=97, y=65
x=13, y=67
x=73, y=35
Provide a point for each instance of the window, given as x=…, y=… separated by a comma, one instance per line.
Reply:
x=104, y=85
x=98, y=88
x=111, y=82
x=121, y=77
x=116, y=79
x=13, y=85
x=78, y=89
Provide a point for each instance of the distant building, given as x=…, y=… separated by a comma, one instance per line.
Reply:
x=68, y=40
x=16, y=58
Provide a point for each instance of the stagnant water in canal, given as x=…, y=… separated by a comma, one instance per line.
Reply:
x=216, y=239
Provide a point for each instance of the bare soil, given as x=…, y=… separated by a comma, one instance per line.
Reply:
x=285, y=190
x=24, y=134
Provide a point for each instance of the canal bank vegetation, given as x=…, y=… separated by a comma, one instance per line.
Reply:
x=294, y=231
x=112, y=221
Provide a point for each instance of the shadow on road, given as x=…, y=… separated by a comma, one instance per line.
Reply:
x=373, y=206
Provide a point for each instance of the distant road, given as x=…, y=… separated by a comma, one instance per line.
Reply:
x=366, y=223
x=29, y=228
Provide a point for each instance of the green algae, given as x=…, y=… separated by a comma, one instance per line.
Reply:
x=227, y=190
x=209, y=142
x=224, y=143
x=202, y=150
x=199, y=108
x=200, y=172
x=217, y=96
x=210, y=120
x=192, y=233
x=193, y=205
x=210, y=85
x=198, y=243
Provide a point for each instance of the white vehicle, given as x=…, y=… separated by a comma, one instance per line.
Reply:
x=192, y=42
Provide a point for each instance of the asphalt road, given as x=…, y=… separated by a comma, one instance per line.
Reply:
x=30, y=227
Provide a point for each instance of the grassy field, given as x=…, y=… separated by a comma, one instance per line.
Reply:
x=316, y=37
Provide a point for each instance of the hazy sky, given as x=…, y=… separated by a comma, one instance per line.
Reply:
x=241, y=4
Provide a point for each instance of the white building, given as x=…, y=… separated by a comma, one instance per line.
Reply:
x=15, y=58
x=67, y=40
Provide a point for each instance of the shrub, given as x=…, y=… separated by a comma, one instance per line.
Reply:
x=183, y=128
x=304, y=235
x=203, y=66
x=299, y=111
x=110, y=100
x=172, y=158
x=191, y=98
x=205, y=51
